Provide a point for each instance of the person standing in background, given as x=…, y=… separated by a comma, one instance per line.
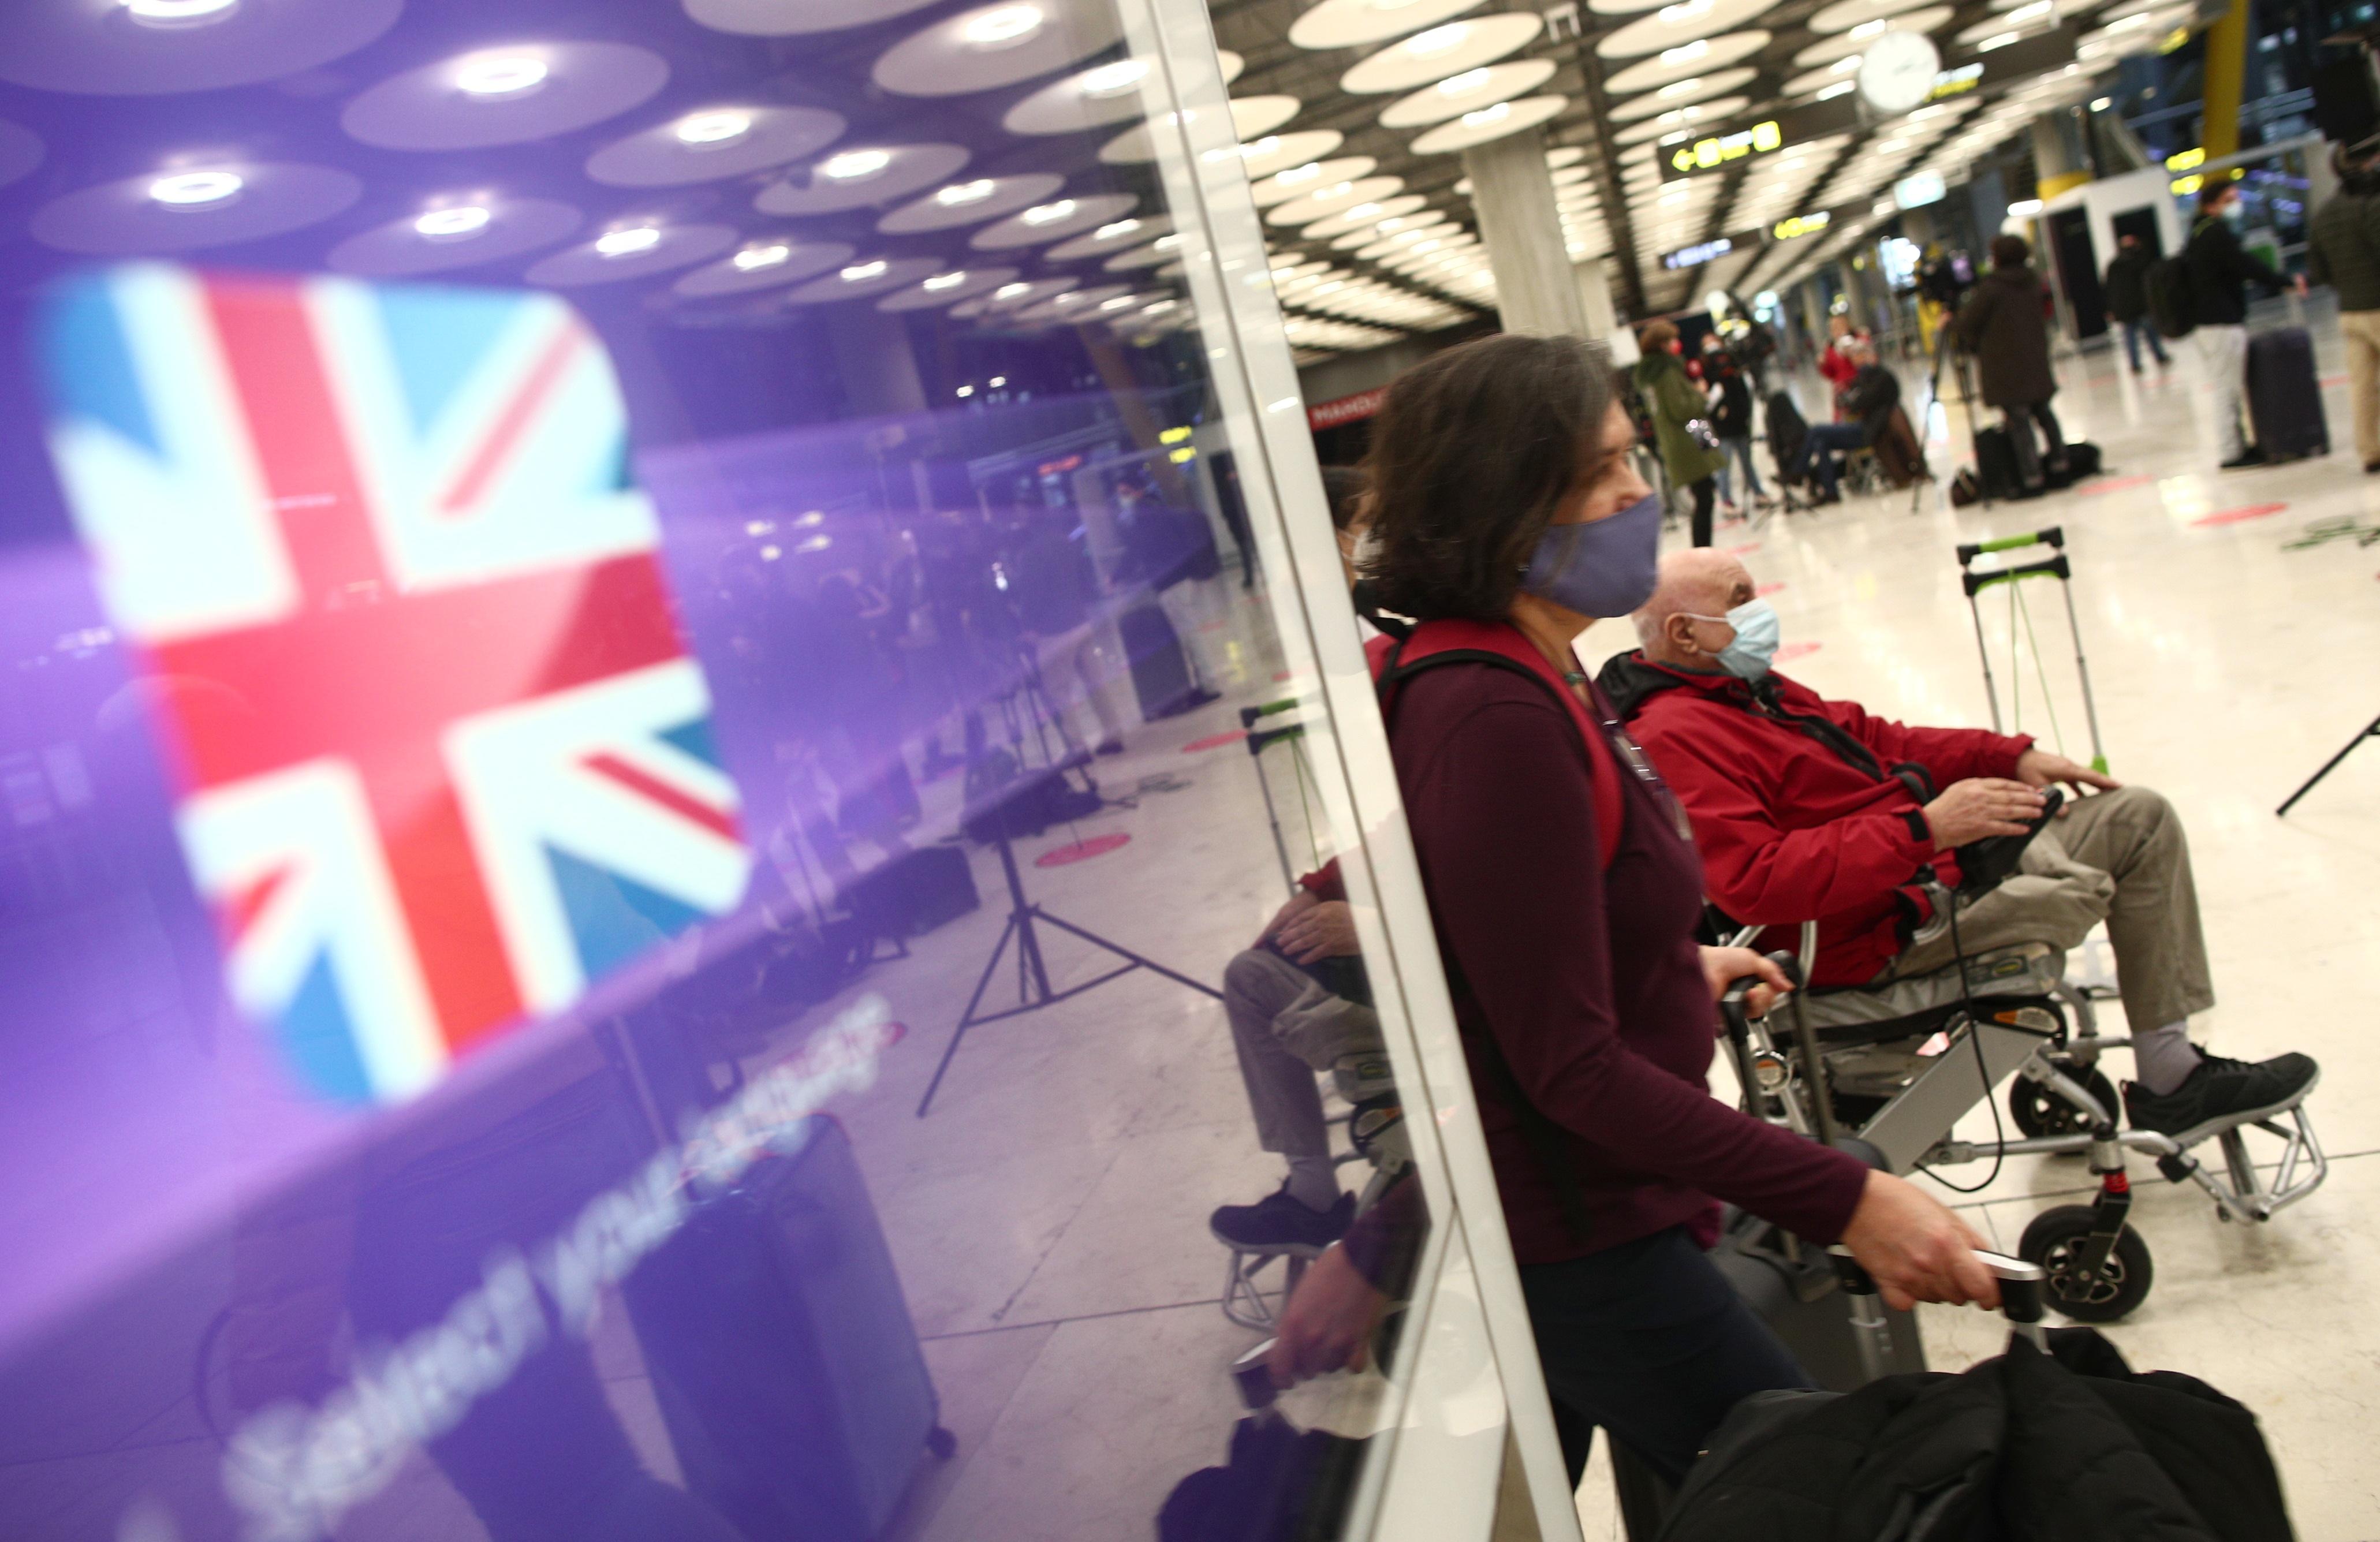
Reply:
x=2343, y=251
x=2219, y=270
x=2002, y=326
x=1731, y=420
x=1690, y=452
x=2128, y=301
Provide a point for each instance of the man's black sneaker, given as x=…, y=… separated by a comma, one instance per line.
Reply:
x=2218, y=1088
x=1278, y=1220
x=2253, y=456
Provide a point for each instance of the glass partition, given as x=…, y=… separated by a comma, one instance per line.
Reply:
x=668, y=672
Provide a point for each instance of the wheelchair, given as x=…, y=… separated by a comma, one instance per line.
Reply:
x=1375, y=1133
x=1898, y=1065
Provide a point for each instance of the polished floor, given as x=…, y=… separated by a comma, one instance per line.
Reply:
x=2229, y=619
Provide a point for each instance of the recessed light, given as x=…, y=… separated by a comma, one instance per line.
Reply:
x=624, y=243
x=1118, y=303
x=964, y=391
x=861, y=273
x=752, y=259
x=1002, y=27
x=1685, y=11
x=965, y=192
x=1115, y=230
x=1685, y=52
x=2000, y=40
x=996, y=381
x=853, y=165
x=1009, y=292
x=718, y=126
x=1468, y=81
x=494, y=77
x=1866, y=30
x=1166, y=243
x=946, y=281
x=453, y=225
x=1112, y=79
x=1437, y=39
x=1049, y=213
x=178, y=13
x=1487, y=116
x=195, y=189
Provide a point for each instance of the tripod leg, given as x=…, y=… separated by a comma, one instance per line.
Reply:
x=2370, y=730
x=1094, y=939
x=967, y=1016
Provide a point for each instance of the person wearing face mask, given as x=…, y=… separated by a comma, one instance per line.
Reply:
x=2220, y=271
x=1506, y=516
x=1811, y=809
x=1682, y=430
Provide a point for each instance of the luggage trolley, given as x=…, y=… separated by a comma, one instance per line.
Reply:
x=1282, y=728
x=1975, y=581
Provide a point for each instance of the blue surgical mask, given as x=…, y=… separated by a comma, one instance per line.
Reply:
x=1608, y=568
x=1756, y=631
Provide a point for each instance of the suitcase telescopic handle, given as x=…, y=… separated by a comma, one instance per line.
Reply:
x=2053, y=536
x=2021, y=1288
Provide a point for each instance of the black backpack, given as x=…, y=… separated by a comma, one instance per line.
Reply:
x=2173, y=307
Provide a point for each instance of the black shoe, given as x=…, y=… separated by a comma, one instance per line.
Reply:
x=1110, y=747
x=1199, y=698
x=2219, y=1088
x=1279, y=1222
x=2253, y=456
x=2371, y=466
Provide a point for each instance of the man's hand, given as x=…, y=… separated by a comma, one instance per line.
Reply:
x=1981, y=805
x=1299, y=904
x=1723, y=967
x=1327, y=1323
x=1915, y=1249
x=2298, y=283
x=1325, y=929
x=2038, y=768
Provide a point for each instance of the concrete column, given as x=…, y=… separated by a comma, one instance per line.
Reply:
x=1536, y=290
x=1595, y=296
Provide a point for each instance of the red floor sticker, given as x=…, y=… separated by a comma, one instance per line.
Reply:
x=2113, y=484
x=2239, y=517
x=1215, y=741
x=1082, y=851
x=1793, y=651
x=1765, y=590
x=1745, y=550
x=2334, y=379
x=1279, y=676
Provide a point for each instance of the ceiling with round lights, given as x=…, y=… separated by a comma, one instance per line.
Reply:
x=860, y=176
x=969, y=201
x=1353, y=23
x=109, y=49
x=1468, y=91
x=1045, y=223
x=1686, y=61
x=712, y=143
x=502, y=96
x=1489, y=123
x=1673, y=31
x=1448, y=48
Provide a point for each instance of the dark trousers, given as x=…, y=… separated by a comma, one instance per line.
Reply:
x=1817, y=459
x=2054, y=445
x=2133, y=332
x=1649, y=1340
x=1704, y=494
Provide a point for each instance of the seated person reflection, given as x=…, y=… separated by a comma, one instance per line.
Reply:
x=1809, y=809
x=1866, y=402
x=1506, y=513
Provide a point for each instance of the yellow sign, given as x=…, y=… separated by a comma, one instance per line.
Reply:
x=2185, y=160
x=1173, y=436
x=1801, y=225
x=1758, y=139
x=1956, y=82
x=2185, y=185
x=1182, y=456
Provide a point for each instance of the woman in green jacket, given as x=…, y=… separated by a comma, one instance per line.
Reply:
x=1692, y=460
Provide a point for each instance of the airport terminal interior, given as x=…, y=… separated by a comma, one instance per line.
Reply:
x=704, y=837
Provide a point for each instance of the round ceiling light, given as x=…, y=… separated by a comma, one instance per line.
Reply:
x=971, y=202
x=714, y=144
x=938, y=290
x=1298, y=181
x=499, y=76
x=1002, y=26
x=453, y=224
x=196, y=189
x=1682, y=33
x=1844, y=14
x=629, y=242
x=1048, y=222
x=1489, y=123
x=718, y=127
x=1353, y=23
x=1686, y=61
x=1681, y=93
x=178, y=13
x=1252, y=116
x=1480, y=85
x=996, y=45
x=853, y=165
x=1104, y=93
x=1448, y=49
x=1279, y=153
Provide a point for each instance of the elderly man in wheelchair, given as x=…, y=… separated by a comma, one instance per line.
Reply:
x=1896, y=852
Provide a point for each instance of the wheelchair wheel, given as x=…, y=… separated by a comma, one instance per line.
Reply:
x=2054, y=1241
x=2039, y=1111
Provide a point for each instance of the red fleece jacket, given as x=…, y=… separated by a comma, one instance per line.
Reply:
x=1791, y=825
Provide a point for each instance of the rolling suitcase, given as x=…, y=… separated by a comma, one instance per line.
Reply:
x=2285, y=396
x=1160, y=672
x=781, y=1352
x=2008, y=465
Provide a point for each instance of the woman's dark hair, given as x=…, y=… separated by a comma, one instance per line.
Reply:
x=2212, y=193
x=1475, y=451
x=1656, y=335
x=1343, y=487
x=2009, y=252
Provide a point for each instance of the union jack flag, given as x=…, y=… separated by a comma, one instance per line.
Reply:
x=442, y=757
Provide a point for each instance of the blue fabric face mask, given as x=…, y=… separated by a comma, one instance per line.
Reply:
x=1756, y=631
x=1604, y=568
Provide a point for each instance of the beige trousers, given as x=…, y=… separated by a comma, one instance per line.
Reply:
x=2363, y=330
x=2120, y=857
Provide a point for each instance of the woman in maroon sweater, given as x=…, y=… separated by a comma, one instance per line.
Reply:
x=1503, y=492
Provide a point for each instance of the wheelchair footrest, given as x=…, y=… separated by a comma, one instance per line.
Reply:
x=1245, y=1299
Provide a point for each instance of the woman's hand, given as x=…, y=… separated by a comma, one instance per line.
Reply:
x=1299, y=904
x=1326, y=1324
x=1723, y=967
x=1319, y=931
x=1916, y=1249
